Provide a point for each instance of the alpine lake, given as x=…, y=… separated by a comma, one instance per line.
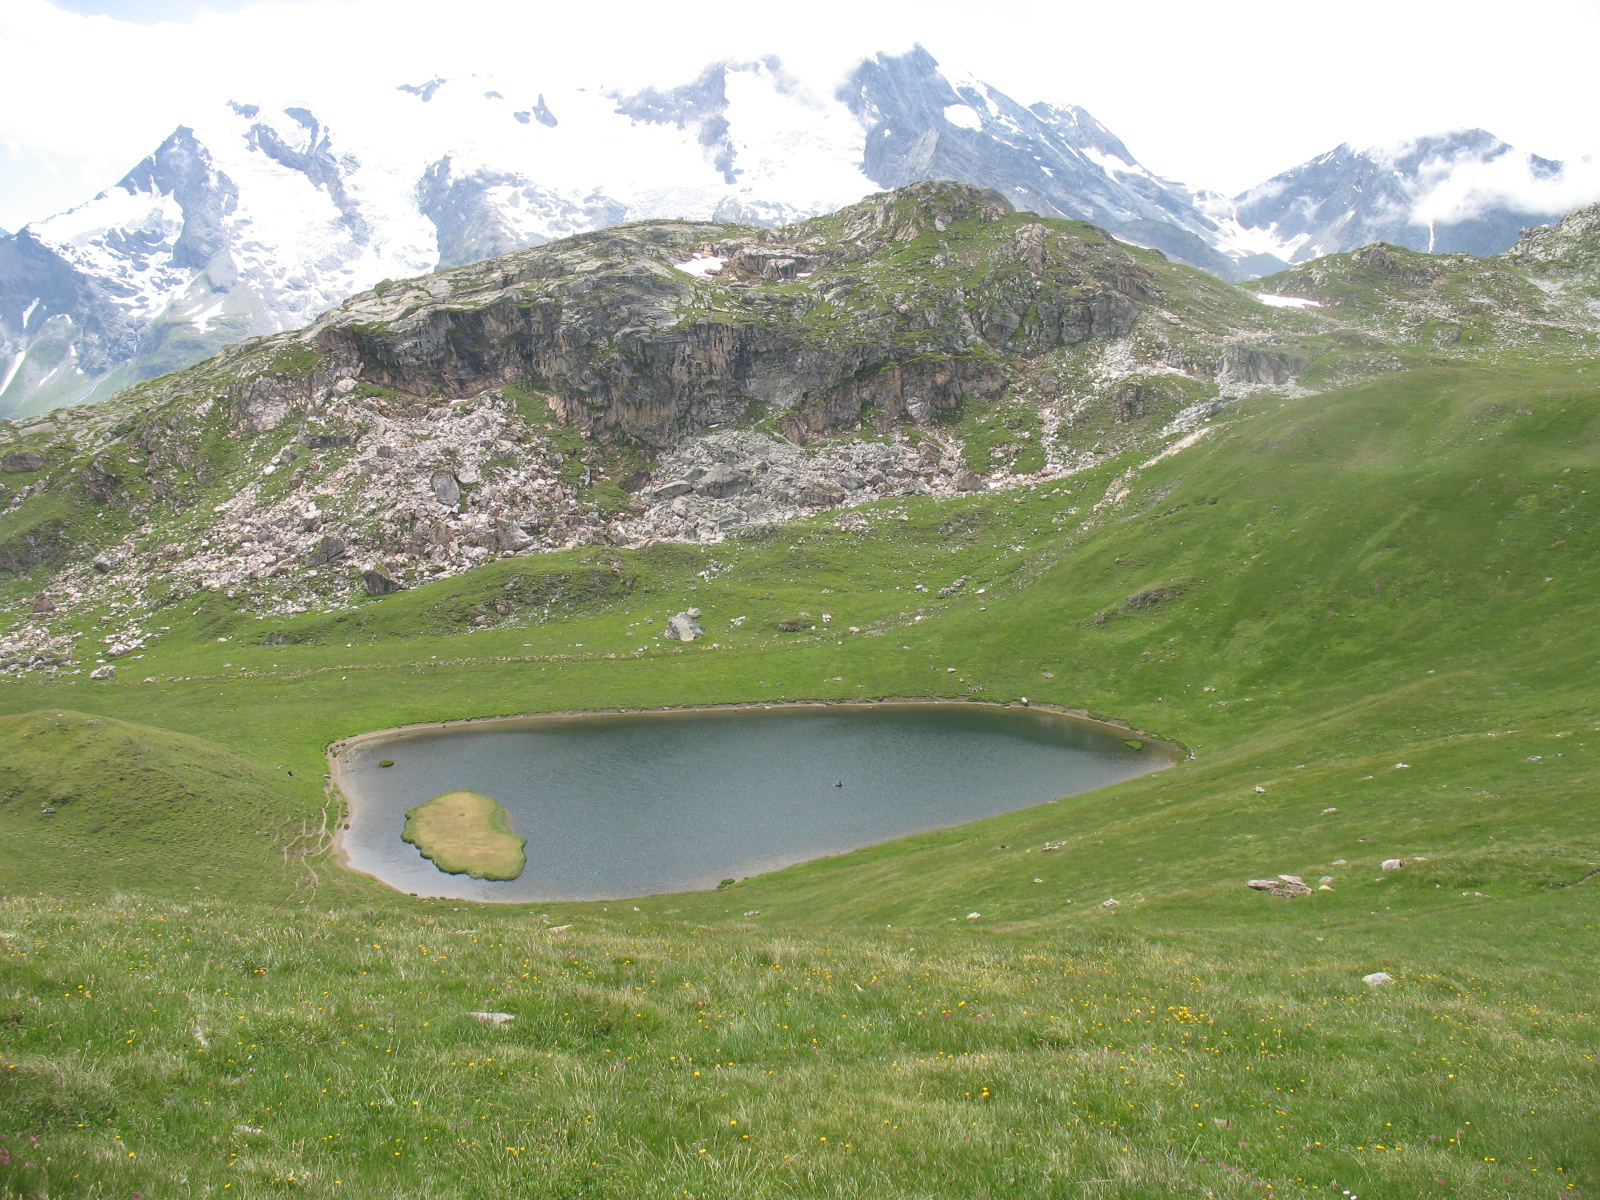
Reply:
x=624, y=805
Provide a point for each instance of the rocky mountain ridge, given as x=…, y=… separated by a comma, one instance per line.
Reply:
x=684, y=381
x=670, y=380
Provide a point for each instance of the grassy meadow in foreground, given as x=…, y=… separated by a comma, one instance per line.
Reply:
x=1370, y=616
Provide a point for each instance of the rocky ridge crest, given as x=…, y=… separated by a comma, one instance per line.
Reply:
x=668, y=380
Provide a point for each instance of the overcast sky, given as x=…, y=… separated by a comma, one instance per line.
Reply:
x=1217, y=95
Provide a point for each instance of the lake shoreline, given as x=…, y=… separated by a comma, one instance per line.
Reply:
x=337, y=753
x=1079, y=715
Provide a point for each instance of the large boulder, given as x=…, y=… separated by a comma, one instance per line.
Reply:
x=329, y=549
x=446, y=488
x=379, y=584
x=721, y=481
x=21, y=462
x=820, y=495
x=683, y=627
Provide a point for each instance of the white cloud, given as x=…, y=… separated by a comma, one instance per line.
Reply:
x=83, y=98
x=1454, y=190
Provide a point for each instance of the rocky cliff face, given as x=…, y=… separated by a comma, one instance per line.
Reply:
x=899, y=308
x=1568, y=252
x=668, y=380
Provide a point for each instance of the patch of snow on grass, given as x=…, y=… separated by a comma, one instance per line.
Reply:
x=1288, y=302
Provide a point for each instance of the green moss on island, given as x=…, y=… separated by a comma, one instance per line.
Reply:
x=466, y=833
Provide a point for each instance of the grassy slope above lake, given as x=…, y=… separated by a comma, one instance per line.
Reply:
x=100, y=801
x=1318, y=592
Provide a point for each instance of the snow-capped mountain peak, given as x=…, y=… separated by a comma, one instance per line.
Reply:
x=256, y=216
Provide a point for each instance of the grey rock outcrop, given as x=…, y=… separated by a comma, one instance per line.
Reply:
x=1254, y=365
x=1565, y=247
x=820, y=495
x=29, y=548
x=22, y=461
x=446, y=487
x=682, y=627
x=1283, y=886
x=329, y=549
x=625, y=342
x=377, y=583
x=722, y=481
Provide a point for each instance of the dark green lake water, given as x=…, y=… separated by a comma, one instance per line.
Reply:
x=632, y=805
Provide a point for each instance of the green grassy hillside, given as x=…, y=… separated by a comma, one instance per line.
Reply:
x=1368, y=613
x=102, y=802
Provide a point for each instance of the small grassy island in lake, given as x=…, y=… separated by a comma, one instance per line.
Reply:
x=466, y=833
